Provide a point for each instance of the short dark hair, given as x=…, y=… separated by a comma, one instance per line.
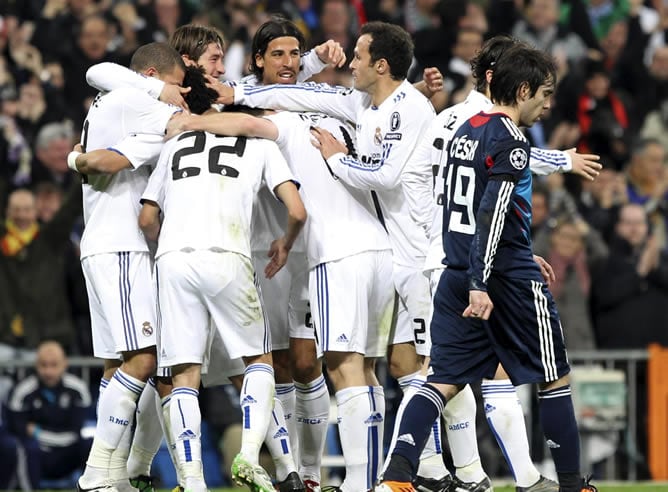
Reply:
x=520, y=65
x=391, y=42
x=161, y=56
x=192, y=40
x=486, y=58
x=276, y=27
x=200, y=98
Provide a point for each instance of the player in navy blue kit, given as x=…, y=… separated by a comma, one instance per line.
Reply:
x=492, y=304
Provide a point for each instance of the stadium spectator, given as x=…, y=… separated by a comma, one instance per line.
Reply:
x=32, y=266
x=541, y=28
x=93, y=39
x=457, y=79
x=630, y=289
x=599, y=200
x=569, y=256
x=53, y=143
x=647, y=177
x=46, y=412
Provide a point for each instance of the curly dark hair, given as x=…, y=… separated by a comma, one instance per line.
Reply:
x=200, y=98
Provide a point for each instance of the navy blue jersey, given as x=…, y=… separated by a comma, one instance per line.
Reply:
x=487, y=210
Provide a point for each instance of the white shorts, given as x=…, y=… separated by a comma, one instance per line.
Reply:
x=205, y=290
x=121, y=296
x=352, y=301
x=413, y=311
x=285, y=299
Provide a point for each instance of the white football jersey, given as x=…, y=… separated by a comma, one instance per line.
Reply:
x=424, y=176
x=205, y=185
x=342, y=220
x=386, y=137
x=131, y=123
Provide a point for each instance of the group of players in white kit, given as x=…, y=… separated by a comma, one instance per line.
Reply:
x=346, y=157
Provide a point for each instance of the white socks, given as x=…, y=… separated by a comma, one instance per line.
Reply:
x=278, y=443
x=257, y=401
x=459, y=415
x=186, y=422
x=116, y=409
x=148, y=432
x=286, y=395
x=506, y=420
x=359, y=421
x=311, y=417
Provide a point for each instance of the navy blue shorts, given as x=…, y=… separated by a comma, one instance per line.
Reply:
x=523, y=333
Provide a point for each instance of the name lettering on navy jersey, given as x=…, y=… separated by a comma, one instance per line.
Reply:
x=463, y=148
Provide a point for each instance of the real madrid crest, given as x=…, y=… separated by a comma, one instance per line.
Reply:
x=378, y=136
x=146, y=329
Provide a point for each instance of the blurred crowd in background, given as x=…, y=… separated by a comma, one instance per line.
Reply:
x=605, y=239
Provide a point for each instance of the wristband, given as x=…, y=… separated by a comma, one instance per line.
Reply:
x=72, y=160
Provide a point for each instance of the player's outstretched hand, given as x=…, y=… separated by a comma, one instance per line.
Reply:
x=545, y=270
x=278, y=252
x=326, y=142
x=585, y=165
x=331, y=52
x=480, y=305
x=173, y=94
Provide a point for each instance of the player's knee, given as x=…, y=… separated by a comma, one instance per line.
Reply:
x=140, y=365
x=305, y=368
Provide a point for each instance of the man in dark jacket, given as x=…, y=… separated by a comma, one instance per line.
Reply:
x=46, y=413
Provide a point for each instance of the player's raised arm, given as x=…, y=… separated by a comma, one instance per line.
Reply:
x=339, y=102
x=544, y=162
x=230, y=124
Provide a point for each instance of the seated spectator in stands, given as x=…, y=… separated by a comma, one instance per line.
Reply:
x=647, y=177
x=569, y=256
x=541, y=29
x=92, y=46
x=630, y=288
x=457, y=78
x=599, y=200
x=32, y=272
x=655, y=125
x=603, y=14
x=337, y=22
x=46, y=412
x=54, y=142
x=602, y=116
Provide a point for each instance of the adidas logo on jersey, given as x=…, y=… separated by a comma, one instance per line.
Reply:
x=374, y=418
x=187, y=434
x=282, y=432
x=552, y=445
x=407, y=438
x=342, y=338
x=248, y=400
x=489, y=408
